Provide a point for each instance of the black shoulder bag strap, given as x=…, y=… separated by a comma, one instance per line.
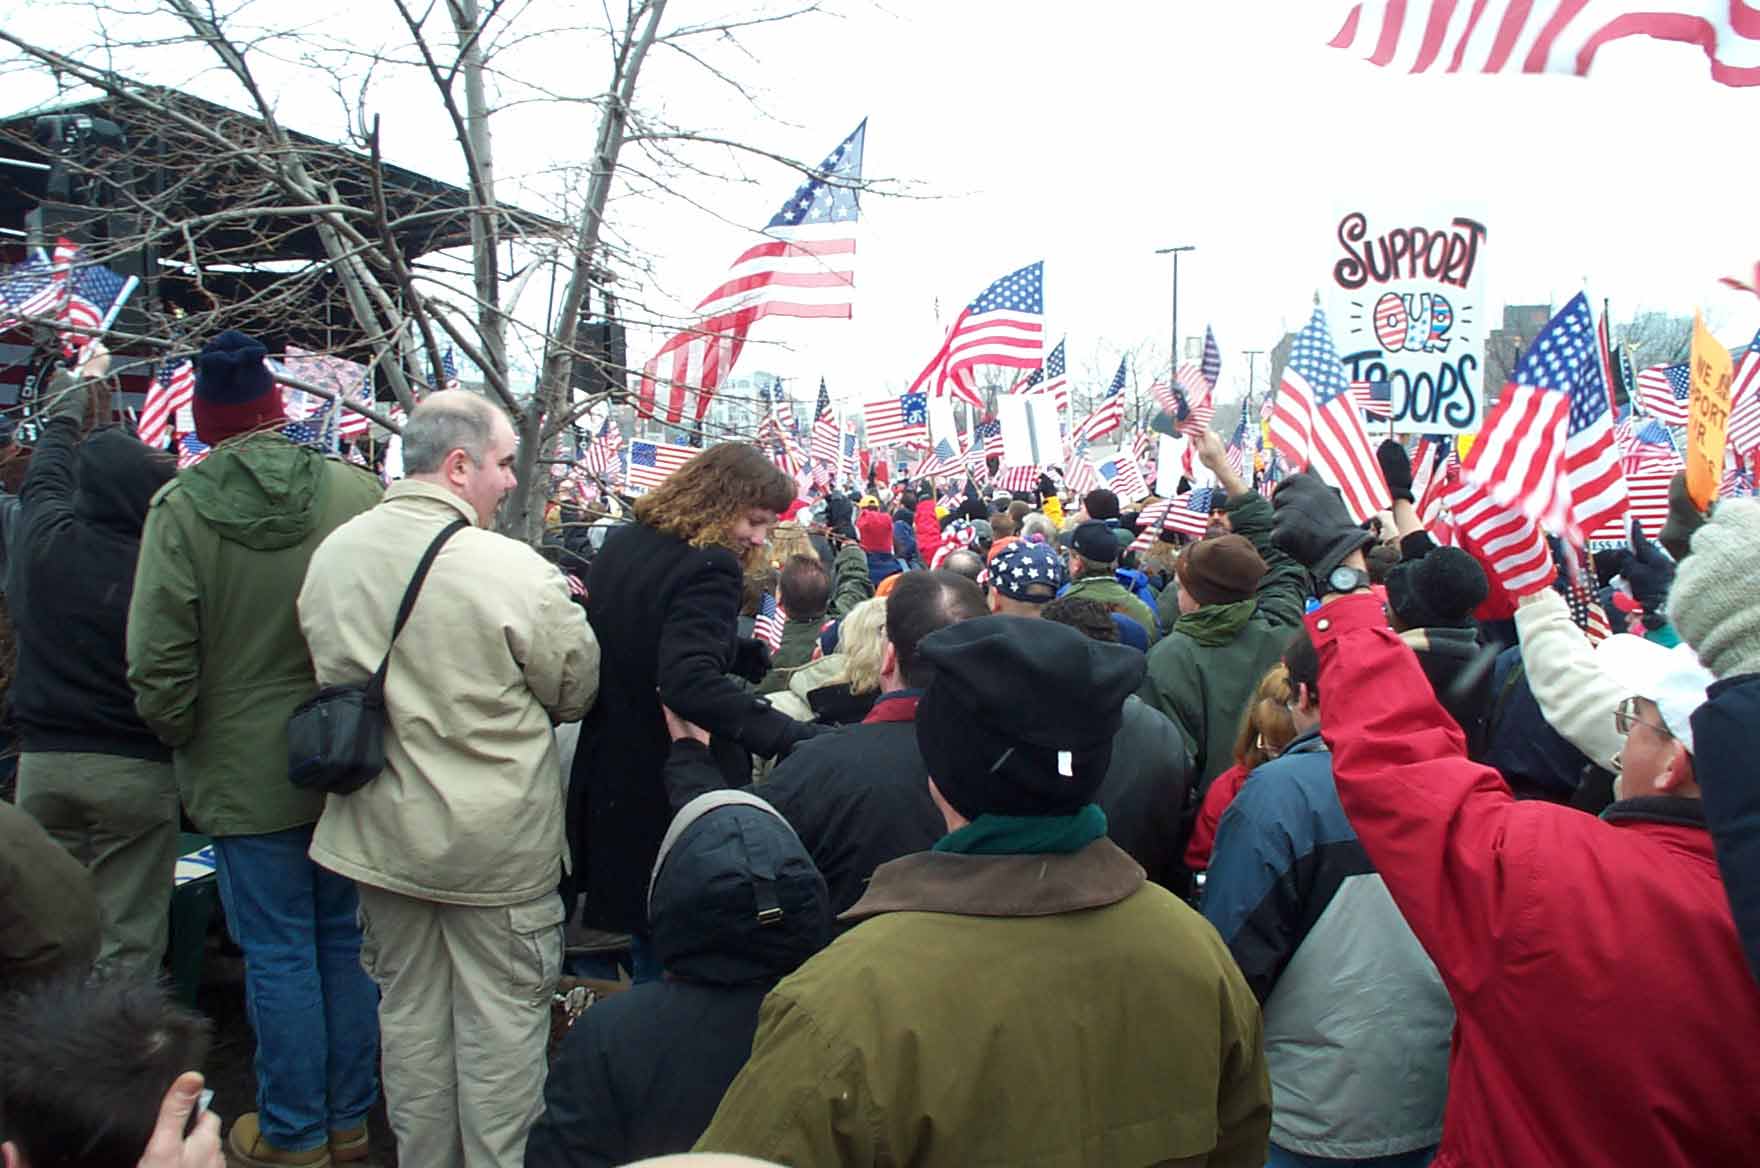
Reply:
x=375, y=693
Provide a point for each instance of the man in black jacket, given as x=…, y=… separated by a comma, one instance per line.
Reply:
x=89, y=770
x=860, y=797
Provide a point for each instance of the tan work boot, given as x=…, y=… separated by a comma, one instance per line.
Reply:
x=246, y=1143
x=349, y=1144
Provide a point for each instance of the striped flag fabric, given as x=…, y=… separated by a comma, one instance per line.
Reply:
x=1646, y=499
x=449, y=370
x=1576, y=584
x=768, y=625
x=601, y=458
x=1545, y=36
x=1738, y=482
x=804, y=268
x=1081, y=477
x=1663, y=391
x=1192, y=399
x=651, y=462
x=1123, y=476
x=892, y=420
x=346, y=379
x=1508, y=542
x=1374, y=398
x=825, y=445
x=987, y=438
x=781, y=446
x=173, y=389
x=1187, y=514
x=1018, y=479
x=1642, y=440
x=1049, y=378
x=1436, y=469
x=190, y=450
x=1109, y=414
x=93, y=290
x=1547, y=449
x=1743, y=435
x=1315, y=423
x=32, y=290
x=1003, y=326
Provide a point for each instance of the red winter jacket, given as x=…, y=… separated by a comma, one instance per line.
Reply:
x=1223, y=788
x=928, y=531
x=1605, y=1015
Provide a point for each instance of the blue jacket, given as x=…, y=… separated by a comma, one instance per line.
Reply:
x=1726, y=739
x=882, y=565
x=904, y=540
x=1357, y=1021
x=1532, y=756
x=1138, y=583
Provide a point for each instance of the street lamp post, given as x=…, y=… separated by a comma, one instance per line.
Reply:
x=1173, y=363
x=1252, y=356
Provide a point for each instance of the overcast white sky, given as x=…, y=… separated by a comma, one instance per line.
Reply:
x=1089, y=135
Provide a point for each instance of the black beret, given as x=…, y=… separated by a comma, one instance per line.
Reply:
x=1441, y=589
x=1019, y=714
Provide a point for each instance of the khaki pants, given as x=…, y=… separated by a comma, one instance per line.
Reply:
x=118, y=816
x=464, y=1015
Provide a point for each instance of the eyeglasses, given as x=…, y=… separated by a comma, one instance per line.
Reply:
x=1625, y=716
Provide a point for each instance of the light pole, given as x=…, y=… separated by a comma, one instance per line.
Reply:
x=1173, y=363
x=1252, y=361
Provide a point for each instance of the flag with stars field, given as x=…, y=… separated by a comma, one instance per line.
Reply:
x=1003, y=326
x=1315, y=423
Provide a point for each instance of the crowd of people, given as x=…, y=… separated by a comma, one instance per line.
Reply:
x=1031, y=841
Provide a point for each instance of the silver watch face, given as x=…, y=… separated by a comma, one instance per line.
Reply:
x=1344, y=579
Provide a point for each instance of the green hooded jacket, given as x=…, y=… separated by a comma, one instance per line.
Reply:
x=1115, y=596
x=1204, y=672
x=215, y=655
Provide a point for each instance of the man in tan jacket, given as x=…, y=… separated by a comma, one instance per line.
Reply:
x=457, y=846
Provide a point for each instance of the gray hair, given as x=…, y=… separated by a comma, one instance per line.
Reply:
x=444, y=422
x=1038, y=522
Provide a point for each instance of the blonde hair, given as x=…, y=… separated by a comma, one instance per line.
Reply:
x=861, y=642
x=1266, y=727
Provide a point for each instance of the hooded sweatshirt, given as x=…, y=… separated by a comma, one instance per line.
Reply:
x=215, y=655
x=73, y=571
x=735, y=905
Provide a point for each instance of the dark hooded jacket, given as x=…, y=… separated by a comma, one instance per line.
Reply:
x=735, y=906
x=82, y=507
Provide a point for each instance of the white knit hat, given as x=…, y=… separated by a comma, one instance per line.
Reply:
x=1714, y=604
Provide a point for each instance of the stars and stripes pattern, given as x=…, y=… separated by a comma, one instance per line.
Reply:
x=449, y=370
x=1018, y=478
x=1640, y=441
x=1436, y=470
x=1003, y=326
x=1082, y=476
x=896, y=419
x=32, y=290
x=1575, y=583
x=1108, y=416
x=768, y=625
x=172, y=390
x=777, y=441
x=1315, y=423
x=1123, y=476
x=987, y=438
x=1743, y=433
x=1187, y=514
x=1663, y=391
x=1545, y=36
x=804, y=268
x=1192, y=399
x=317, y=430
x=346, y=379
x=602, y=457
x=1050, y=378
x=93, y=291
x=825, y=444
x=1646, y=501
x=651, y=462
x=1374, y=398
x=190, y=450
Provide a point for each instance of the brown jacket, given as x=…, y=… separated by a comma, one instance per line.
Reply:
x=48, y=913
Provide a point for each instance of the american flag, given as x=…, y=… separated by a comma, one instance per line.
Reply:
x=1187, y=514
x=1738, y=482
x=1124, y=476
x=1316, y=424
x=1549, y=36
x=174, y=388
x=1647, y=498
x=1192, y=400
x=190, y=450
x=1743, y=434
x=988, y=437
x=780, y=406
x=449, y=370
x=1374, y=398
x=1143, y=445
x=602, y=452
x=1576, y=583
x=945, y=458
x=1547, y=449
x=344, y=378
x=1018, y=478
x=1082, y=476
x=1048, y=378
x=892, y=420
x=768, y=626
x=804, y=268
x=1436, y=471
x=826, y=444
x=1003, y=326
x=1642, y=440
x=95, y=291
x=31, y=290
x=1664, y=390
x=775, y=440
x=1108, y=415
x=1241, y=447
x=317, y=430
x=651, y=462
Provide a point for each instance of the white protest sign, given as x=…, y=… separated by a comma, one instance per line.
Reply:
x=941, y=424
x=1170, y=460
x=1030, y=436
x=1406, y=301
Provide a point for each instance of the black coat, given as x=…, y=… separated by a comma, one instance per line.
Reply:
x=665, y=615
x=1146, y=794
x=1460, y=670
x=642, y=1072
x=71, y=576
x=858, y=798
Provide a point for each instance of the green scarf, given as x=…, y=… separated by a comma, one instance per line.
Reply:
x=1217, y=624
x=1026, y=835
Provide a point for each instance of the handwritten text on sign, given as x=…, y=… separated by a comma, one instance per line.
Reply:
x=1707, y=415
x=1405, y=302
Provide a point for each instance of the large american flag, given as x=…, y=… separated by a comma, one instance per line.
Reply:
x=1124, y=476
x=651, y=462
x=1647, y=501
x=896, y=419
x=1003, y=326
x=602, y=459
x=1316, y=425
x=347, y=379
x=1108, y=415
x=805, y=268
x=1050, y=378
x=1743, y=435
x=1663, y=390
x=173, y=389
x=1546, y=36
x=1187, y=514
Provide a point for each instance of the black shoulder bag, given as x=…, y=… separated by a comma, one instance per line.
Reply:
x=336, y=739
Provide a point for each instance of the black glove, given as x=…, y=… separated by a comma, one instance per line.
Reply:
x=1684, y=518
x=70, y=397
x=1650, y=574
x=1396, y=468
x=751, y=659
x=1310, y=523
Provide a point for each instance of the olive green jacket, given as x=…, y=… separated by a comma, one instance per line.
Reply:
x=1108, y=591
x=1109, y=1026
x=215, y=655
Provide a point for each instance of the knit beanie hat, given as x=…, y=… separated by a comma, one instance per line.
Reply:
x=1019, y=714
x=1713, y=604
x=874, y=529
x=234, y=393
x=1224, y=569
x=1439, y=590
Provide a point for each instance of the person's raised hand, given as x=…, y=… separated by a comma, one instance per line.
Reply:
x=168, y=1147
x=1648, y=571
x=1310, y=523
x=679, y=729
x=1396, y=468
x=1211, y=452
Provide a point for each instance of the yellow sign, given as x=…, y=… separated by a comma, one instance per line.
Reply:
x=1707, y=415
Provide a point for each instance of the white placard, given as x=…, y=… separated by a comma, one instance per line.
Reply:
x=1170, y=460
x=1030, y=435
x=941, y=424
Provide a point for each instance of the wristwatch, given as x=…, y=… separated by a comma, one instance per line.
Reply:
x=1346, y=579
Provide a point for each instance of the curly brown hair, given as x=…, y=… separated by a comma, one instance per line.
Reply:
x=700, y=501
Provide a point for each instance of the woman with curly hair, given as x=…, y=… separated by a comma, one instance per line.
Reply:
x=663, y=598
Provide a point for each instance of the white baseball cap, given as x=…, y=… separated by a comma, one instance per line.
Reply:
x=1672, y=678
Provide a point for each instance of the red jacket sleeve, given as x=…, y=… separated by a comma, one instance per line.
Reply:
x=1436, y=825
x=1222, y=791
x=928, y=531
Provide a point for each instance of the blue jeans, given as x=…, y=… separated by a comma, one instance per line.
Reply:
x=1284, y=1158
x=314, y=1009
x=644, y=962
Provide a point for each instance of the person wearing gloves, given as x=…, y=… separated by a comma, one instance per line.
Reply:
x=1713, y=606
x=923, y=1036
x=1565, y=941
x=1650, y=575
x=1430, y=601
